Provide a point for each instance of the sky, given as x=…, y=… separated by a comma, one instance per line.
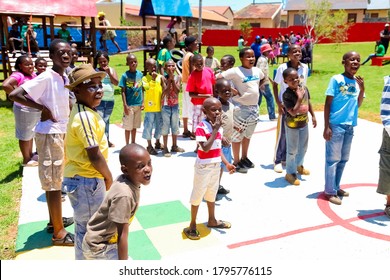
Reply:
x=234, y=4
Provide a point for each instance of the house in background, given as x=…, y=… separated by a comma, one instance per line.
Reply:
x=377, y=11
x=265, y=15
x=224, y=11
x=355, y=9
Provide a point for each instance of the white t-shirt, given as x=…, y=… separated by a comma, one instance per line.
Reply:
x=48, y=89
x=303, y=72
x=246, y=81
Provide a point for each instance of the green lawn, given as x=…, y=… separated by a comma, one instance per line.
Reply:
x=327, y=62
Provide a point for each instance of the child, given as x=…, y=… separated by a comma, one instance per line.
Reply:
x=294, y=55
x=25, y=117
x=210, y=61
x=64, y=33
x=107, y=34
x=40, y=65
x=246, y=79
x=170, y=109
x=207, y=167
x=106, y=106
x=153, y=85
x=131, y=85
x=379, y=51
x=265, y=89
x=15, y=41
x=296, y=100
x=344, y=96
x=107, y=230
x=192, y=45
x=200, y=86
x=48, y=94
x=86, y=173
x=164, y=54
x=224, y=92
x=384, y=162
x=227, y=62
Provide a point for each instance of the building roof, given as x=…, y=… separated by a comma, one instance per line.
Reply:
x=258, y=11
x=300, y=5
x=379, y=5
x=218, y=9
x=209, y=15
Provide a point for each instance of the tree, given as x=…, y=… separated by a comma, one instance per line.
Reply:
x=322, y=22
x=246, y=30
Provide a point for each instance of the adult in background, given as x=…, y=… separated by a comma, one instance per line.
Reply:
x=256, y=48
x=385, y=36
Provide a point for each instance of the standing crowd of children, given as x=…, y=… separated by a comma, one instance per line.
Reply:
x=220, y=99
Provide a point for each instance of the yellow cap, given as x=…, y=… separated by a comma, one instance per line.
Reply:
x=101, y=14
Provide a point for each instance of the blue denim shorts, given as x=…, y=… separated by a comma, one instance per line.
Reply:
x=227, y=152
x=170, y=117
x=152, y=120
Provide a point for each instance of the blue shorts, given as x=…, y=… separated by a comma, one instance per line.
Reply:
x=227, y=152
x=152, y=120
x=170, y=118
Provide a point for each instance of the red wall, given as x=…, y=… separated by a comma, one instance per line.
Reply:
x=359, y=32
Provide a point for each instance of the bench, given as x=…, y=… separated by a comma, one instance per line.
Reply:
x=378, y=60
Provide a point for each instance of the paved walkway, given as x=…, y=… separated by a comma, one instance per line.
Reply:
x=270, y=219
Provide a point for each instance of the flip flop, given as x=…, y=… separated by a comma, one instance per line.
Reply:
x=68, y=240
x=192, y=234
x=66, y=221
x=221, y=224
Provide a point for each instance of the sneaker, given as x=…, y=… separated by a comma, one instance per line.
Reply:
x=278, y=168
x=292, y=179
x=166, y=153
x=301, y=170
x=159, y=146
x=333, y=199
x=240, y=168
x=151, y=151
x=222, y=190
x=341, y=192
x=247, y=163
x=387, y=210
x=177, y=149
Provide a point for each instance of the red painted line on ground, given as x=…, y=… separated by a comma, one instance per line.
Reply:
x=324, y=205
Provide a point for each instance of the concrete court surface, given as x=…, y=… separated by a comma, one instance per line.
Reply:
x=270, y=219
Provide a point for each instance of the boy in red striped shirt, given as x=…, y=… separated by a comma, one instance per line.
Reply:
x=207, y=167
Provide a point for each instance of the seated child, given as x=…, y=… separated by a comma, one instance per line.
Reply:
x=107, y=230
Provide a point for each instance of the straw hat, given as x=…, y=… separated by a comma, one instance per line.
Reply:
x=83, y=74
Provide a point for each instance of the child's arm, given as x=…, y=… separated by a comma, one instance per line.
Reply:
x=313, y=116
x=327, y=131
x=125, y=108
x=216, y=125
x=294, y=110
x=230, y=167
x=276, y=96
x=99, y=162
x=123, y=233
x=360, y=82
x=113, y=76
x=10, y=84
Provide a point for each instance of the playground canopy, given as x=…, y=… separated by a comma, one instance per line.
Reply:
x=165, y=8
x=86, y=8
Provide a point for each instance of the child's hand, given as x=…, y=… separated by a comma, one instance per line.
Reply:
x=126, y=110
x=47, y=115
x=154, y=76
x=108, y=183
x=106, y=69
x=314, y=121
x=225, y=142
x=360, y=82
x=327, y=133
x=231, y=168
x=300, y=92
x=217, y=124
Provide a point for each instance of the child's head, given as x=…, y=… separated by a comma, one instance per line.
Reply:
x=294, y=53
x=101, y=15
x=102, y=59
x=191, y=43
x=223, y=90
x=150, y=65
x=212, y=108
x=291, y=78
x=265, y=49
x=86, y=83
x=227, y=62
x=168, y=42
x=60, y=54
x=40, y=65
x=351, y=62
x=247, y=57
x=197, y=62
x=132, y=62
x=136, y=164
x=25, y=65
x=210, y=51
x=64, y=25
x=75, y=55
x=170, y=67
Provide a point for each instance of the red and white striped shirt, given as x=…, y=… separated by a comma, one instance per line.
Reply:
x=203, y=133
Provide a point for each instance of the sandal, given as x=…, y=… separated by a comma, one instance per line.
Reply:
x=221, y=224
x=68, y=240
x=387, y=210
x=66, y=221
x=192, y=234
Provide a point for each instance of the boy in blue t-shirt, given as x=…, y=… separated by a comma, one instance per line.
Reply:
x=131, y=85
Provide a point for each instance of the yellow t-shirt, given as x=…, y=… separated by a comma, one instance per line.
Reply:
x=85, y=130
x=152, y=93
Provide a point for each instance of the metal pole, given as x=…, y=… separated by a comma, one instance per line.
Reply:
x=200, y=23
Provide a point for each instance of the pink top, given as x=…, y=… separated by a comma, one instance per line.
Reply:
x=20, y=79
x=201, y=82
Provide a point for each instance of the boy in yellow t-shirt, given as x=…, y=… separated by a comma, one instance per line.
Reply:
x=153, y=85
